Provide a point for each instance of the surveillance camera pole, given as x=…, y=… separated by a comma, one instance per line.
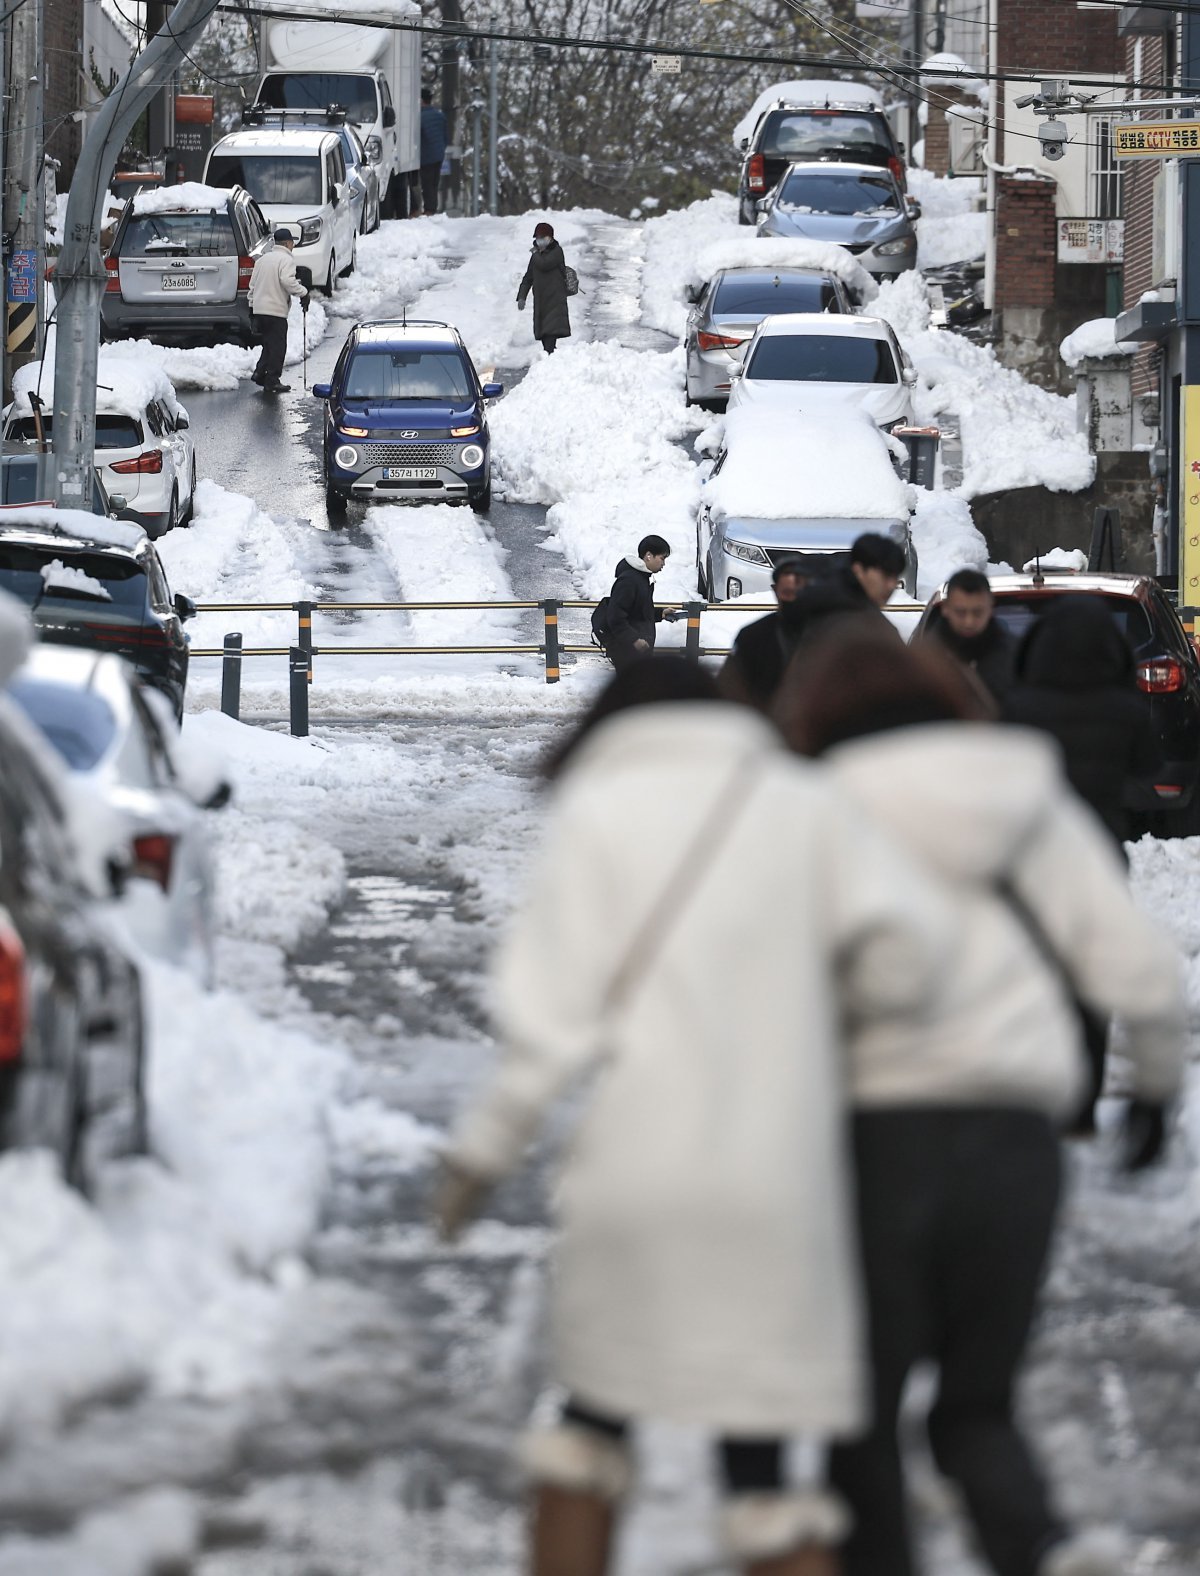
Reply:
x=80, y=274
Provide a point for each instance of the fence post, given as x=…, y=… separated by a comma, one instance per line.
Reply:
x=550, y=611
x=298, y=676
x=692, y=645
x=304, y=609
x=231, y=676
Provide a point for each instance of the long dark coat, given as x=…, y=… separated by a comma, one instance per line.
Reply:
x=546, y=278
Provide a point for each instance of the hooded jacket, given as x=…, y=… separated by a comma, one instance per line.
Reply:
x=1075, y=681
x=631, y=613
x=990, y=655
x=983, y=807
x=546, y=277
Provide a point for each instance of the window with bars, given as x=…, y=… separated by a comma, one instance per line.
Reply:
x=1104, y=170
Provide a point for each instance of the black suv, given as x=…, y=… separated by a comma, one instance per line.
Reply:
x=789, y=133
x=100, y=584
x=1168, y=674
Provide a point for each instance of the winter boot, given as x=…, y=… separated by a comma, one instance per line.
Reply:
x=1094, y=1553
x=578, y=1476
x=791, y=1533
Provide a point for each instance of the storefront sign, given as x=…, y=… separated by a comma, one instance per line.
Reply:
x=1155, y=139
x=1091, y=240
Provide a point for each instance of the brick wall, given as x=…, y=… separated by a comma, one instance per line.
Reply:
x=1026, y=243
x=937, y=137
x=63, y=90
x=1055, y=35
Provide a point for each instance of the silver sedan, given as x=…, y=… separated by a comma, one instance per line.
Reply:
x=857, y=206
x=363, y=179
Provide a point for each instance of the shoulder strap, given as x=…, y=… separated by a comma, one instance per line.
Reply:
x=682, y=883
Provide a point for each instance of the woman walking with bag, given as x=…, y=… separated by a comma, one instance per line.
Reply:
x=551, y=282
x=705, y=1272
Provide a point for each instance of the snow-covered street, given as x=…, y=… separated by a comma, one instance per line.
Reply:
x=249, y=1355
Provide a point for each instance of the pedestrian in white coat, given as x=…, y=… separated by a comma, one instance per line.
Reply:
x=703, y=970
x=958, y=1106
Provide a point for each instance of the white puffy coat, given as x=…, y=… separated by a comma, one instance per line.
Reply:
x=705, y=1270
x=980, y=805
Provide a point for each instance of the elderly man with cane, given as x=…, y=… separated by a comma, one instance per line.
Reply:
x=273, y=285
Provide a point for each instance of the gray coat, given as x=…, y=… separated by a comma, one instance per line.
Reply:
x=545, y=277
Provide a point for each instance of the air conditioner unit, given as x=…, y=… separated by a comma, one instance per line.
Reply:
x=966, y=128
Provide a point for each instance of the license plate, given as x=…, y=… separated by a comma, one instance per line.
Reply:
x=179, y=281
x=410, y=473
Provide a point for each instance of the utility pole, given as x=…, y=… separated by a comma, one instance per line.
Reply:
x=79, y=277
x=24, y=206
x=493, y=128
x=916, y=46
x=4, y=390
x=452, y=16
x=1185, y=422
x=476, y=139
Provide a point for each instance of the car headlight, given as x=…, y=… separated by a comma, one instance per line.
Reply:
x=464, y=432
x=747, y=551
x=310, y=230
x=471, y=457
x=374, y=149
x=355, y=432
x=346, y=456
x=906, y=243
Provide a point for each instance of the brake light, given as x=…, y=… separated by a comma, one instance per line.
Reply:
x=127, y=635
x=718, y=342
x=1168, y=790
x=112, y=284
x=245, y=269
x=146, y=464
x=756, y=173
x=152, y=857
x=14, y=995
x=1161, y=676
x=897, y=168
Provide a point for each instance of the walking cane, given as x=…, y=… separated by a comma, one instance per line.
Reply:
x=304, y=275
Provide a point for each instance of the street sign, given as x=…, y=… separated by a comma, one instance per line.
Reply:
x=1155, y=139
x=666, y=65
x=22, y=276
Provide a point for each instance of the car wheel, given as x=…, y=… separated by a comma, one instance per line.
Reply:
x=709, y=583
x=350, y=266
x=335, y=501
x=330, y=284
x=481, y=500
x=172, y=512
x=189, y=514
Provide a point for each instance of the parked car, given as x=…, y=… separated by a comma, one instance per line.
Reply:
x=1168, y=674
x=364, y=181
x=180, y=263
x=812, y=361
x=406, y=418
x=726, y=311
x=99, y=584
x=816, y=120
x=297, y=175
x=120, y=742
x=144, y=447
x=25, y=479
x=856, y=206
x=782, y=488
x=71, y=1035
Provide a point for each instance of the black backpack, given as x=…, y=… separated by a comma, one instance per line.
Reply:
x=600, y=621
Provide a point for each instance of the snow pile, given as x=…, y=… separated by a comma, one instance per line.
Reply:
x=673, y=243
x=145, y=1535
x=187, y=197
x=949, y=229
x=125, y=383
x=748, y=251
x=945, y=538
x=784, y=467
x=397, y=261
x=953, y=67
x=58, y=577
x=1093, y=340
x=1073, y=559
x=440, y=553
x=805, y=91
x=370, y=1134
x=220, y=366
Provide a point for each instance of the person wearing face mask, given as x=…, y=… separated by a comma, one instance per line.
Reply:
x=546, y=276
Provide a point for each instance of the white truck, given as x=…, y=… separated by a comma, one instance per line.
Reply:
x=374, y=73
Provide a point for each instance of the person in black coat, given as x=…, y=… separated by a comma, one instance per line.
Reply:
x=546, y=276
x=624, y=621
x=969, y=630
x=761, y=651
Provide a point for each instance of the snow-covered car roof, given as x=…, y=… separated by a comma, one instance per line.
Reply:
x=187, y=197
x=297, y=140
x=125, y=384
x=824, y=323
x=835, y=169
x=781, y=466
x=71, y=526
x=813, y=92
x=751, y=252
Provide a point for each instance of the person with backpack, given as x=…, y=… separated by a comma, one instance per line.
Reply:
x=551, y=282
x=623, y=622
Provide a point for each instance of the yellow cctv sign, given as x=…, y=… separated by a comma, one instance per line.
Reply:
x=1155, y=139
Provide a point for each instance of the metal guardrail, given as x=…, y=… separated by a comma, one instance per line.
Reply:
x=300, y=655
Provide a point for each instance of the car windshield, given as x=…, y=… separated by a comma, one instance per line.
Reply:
x=269, y=177
x=829, y=192
x=200, y=234
x=759, y=295
x=317, y=90
x=408, y=374
x=806, y=133
x=122, y=578
x=1017, y=613
x=79, y=723
x=112, y=432
x=823, y=358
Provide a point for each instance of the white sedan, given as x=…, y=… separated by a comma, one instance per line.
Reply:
x=121, y=744
x=810, y=363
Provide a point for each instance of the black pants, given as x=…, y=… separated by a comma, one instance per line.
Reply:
x=549, y=343
x=749, y=1466
x=431, y=176
x=956, y=1208
x=273, y=333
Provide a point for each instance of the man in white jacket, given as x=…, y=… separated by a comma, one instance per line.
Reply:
x=273, y=285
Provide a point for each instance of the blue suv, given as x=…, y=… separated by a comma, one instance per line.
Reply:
x=405, y=418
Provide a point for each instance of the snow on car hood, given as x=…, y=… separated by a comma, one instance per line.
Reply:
x=882, y=401
x=838, y=466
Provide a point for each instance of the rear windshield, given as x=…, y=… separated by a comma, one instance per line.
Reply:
x=408, y=374
x=317, y=90
x=803, y=134
x=121, y=578
x=112, y=432
x=78, y=723
x=19, y=484
x=1017, y=613
x=269, y=177
x=823, y=358
x=831, y=192
x=738, y=296
x=199, y=234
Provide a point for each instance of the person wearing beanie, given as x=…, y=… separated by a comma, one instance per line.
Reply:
x=273, y=285
x=546, y=276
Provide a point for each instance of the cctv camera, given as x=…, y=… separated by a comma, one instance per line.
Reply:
x=1052, y=135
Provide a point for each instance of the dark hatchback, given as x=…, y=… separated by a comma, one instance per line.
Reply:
x=99, y=584
x=795, y=133
x=26, y=479
x=1168, y=675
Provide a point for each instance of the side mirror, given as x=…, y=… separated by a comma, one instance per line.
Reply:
x=117, y=502
x=762, y=205
x=912, y=207
x=693, y=293
x=184, y=606
x=323, y=390
x=743, y=143
x=181, y=422
x=389, y=117
x=490, y=390
x=220, y=796
x=335, y=194
x=909, y=375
